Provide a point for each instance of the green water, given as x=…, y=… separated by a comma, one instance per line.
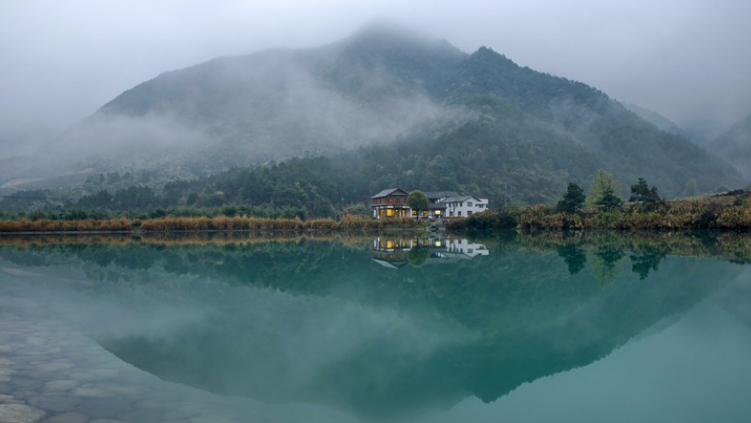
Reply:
x=378, y=328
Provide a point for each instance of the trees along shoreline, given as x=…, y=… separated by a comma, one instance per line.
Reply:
x=604, y=209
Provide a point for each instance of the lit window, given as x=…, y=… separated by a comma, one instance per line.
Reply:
x=389, y=212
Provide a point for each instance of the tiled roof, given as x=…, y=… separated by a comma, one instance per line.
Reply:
x=458, y=199
x=387, y=192
x=435, y=195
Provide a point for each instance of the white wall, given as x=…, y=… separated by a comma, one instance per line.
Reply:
x=464, y=209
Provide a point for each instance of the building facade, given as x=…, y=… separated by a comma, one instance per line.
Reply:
x=437, y=207
x=464, y=206
x=392, y=202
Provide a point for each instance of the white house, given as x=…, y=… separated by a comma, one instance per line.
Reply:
x=392, y=202
x=463, y=206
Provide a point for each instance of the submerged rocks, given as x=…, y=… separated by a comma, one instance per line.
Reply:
x=59, y=386
x=55, y=403
x=71, y=417
x=19, y=413
x=52, y=374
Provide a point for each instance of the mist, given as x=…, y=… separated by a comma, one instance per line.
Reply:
x=686, y=60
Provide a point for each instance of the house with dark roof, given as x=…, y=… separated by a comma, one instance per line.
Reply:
x=437, y=207
x=389, y=203
x=392, y=202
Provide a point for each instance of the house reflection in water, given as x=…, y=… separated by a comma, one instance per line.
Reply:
x=395, y=253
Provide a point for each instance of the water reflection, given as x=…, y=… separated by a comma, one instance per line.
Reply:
x=329, y=321
x=395, y=253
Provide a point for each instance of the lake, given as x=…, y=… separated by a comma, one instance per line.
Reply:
x=375, y=328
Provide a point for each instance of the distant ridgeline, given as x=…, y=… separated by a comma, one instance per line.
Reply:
x=383, y=107
x=735, y=146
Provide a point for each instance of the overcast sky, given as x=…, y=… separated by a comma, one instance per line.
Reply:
x=61, y=60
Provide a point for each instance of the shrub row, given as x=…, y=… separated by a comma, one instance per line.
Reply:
x=217, y=223
x=672, y=216
x=85, y=225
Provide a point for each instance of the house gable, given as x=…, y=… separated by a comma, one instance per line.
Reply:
x=390, y=192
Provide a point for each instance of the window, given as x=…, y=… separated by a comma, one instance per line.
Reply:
x=469, y=213
x=459, y=213
x=414, y=212
x=437, y=212
x=389, y=212
x=469, y=204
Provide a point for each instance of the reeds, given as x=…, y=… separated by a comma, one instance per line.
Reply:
x=243, y=223
x=198, y=224
x=86, y=225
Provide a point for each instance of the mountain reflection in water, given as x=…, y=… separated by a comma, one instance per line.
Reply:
x=332, y=321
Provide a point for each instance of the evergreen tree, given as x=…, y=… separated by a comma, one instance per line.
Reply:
x=641, y=193
x=610, y=200
x=572, y=200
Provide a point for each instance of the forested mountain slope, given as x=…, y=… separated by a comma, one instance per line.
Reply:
x=407, y=109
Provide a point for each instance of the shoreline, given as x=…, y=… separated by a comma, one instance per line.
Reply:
x=218, y=231
x=469, y=231
x=203, y=224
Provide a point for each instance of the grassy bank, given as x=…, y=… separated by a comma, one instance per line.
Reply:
x=197, y=224
x=721, y=213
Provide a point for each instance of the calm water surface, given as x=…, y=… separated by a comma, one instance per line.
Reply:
x=242, y=328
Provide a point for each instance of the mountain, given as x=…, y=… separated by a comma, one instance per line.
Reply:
x=374, y=86
x=413, y=110
x=735, y=146
x=660, y=121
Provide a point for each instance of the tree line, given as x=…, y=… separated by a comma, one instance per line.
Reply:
x=605, y=193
